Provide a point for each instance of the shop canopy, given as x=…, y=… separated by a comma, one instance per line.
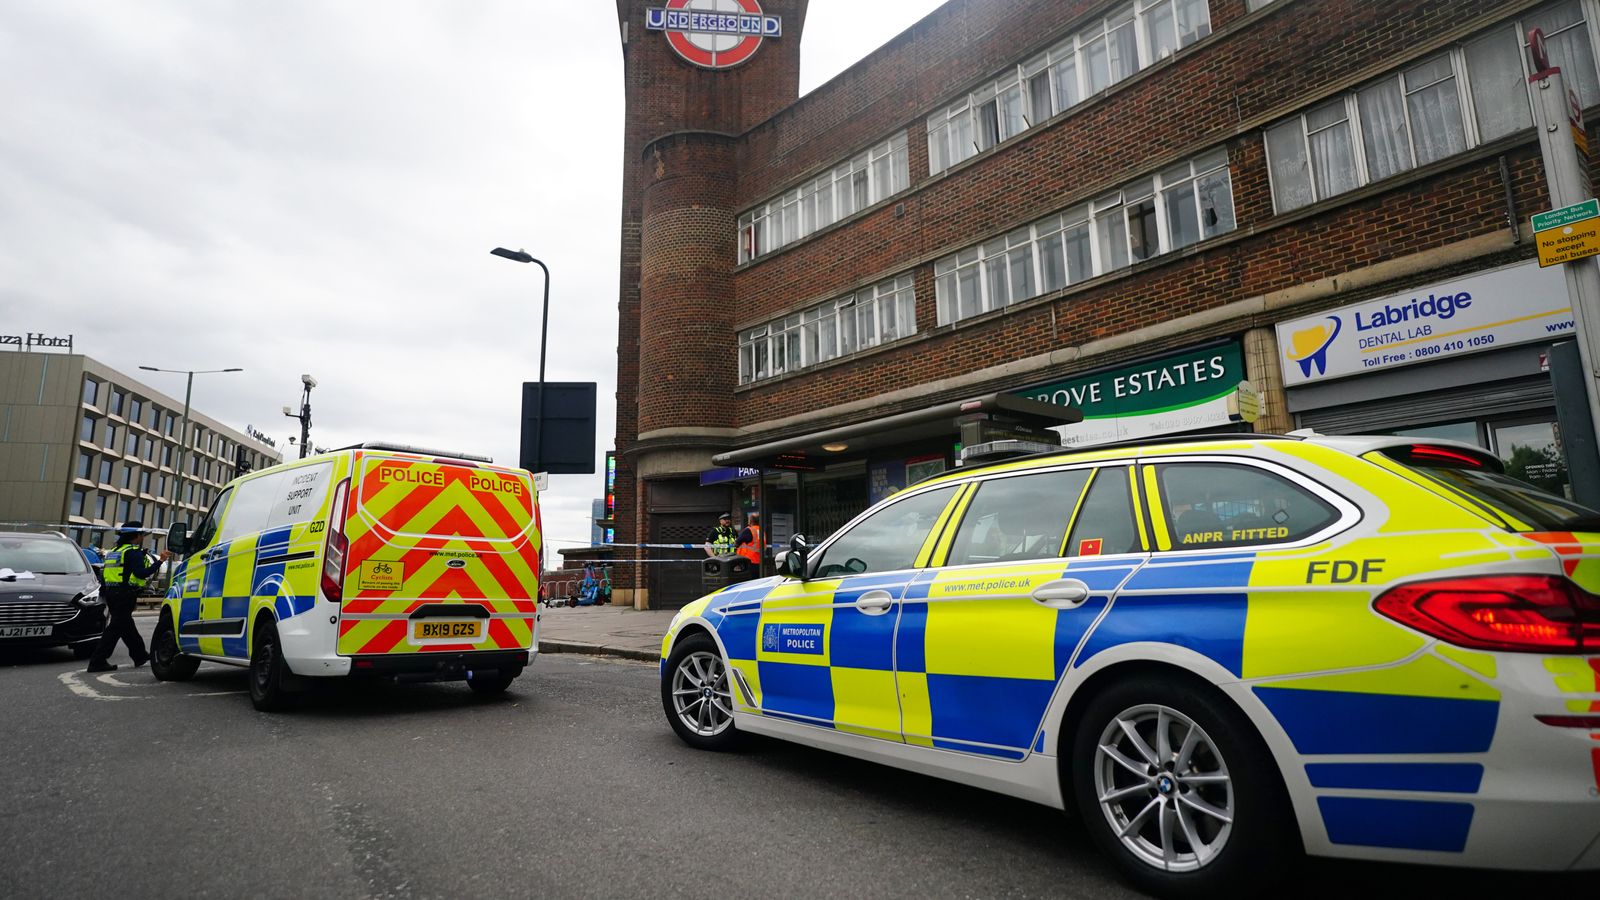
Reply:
x=991, y=417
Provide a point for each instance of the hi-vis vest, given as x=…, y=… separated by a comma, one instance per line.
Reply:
x=723, y=539
x=114, y=572
x=752, y=550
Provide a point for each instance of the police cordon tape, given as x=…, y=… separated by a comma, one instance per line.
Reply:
x=593, y=546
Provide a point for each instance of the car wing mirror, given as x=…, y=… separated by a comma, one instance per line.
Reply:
x=178, y=538
x=794, y=560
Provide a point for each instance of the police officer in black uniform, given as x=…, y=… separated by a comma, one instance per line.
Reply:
x=722, y=538
x=127, y=568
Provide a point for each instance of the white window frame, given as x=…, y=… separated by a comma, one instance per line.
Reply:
x=796, y=214
x=1460, y=71
x=796, y=341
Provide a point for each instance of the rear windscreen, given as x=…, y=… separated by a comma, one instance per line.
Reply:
x=1519, y=505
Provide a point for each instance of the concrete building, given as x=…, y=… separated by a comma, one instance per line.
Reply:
x=85, y=446
x=1175, y=215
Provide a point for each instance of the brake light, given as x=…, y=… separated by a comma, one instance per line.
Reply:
x=1571, y=721
x=1425, y=453
x=1519, y=613
x=337, y=545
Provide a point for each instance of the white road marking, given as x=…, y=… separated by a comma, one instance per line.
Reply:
x=70, y=679
x=112, y=680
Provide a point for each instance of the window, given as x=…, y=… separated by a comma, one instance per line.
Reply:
x=110, y=441
x=1172, y=209
x=172, y=424
x=105, y=471
x=1430, y=110
x=76, y=506
x=85, y=465
x=135, y=409
x=91, y=391
x=161, y=486
x=155, y=417
x=166, y=456
x=144, y=481
x=1220, y=505
x=115, y=407
x=849, y=187
x=100, y=506
x=1104, y=524
x=207, y=529
x=874, y=315
x=252, y=501
x=132, y=445
x=122, y=510
x=86, y=429
x=1104, y=53
x=887, y=540
x=127, y=476
x=149, y=449
x=1023, y=517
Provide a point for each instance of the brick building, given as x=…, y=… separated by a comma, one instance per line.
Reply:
x=1166, y=213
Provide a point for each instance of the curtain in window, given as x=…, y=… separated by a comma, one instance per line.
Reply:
x=1435, y=110
x=1383, y=130
x=1291, y=172
x=1333, y=163
x=1499, y=94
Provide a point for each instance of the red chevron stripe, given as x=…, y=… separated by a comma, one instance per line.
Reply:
x=386, y=639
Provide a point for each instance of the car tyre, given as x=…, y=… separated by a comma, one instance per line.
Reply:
x=492, y=682
x=697, y=694
x=268, y=671
x=167, y=660
x=1201, y=812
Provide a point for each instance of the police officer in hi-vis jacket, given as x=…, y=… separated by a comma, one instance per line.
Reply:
x=126, y=570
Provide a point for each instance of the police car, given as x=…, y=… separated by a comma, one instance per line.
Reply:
x=378, y=560
x=1218, y=651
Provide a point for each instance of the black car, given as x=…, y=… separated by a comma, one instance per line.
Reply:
x=49, y=596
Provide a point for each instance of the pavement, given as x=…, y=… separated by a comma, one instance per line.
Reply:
x=619, y=631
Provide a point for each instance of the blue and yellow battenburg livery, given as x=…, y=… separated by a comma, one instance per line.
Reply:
x=1392, y=736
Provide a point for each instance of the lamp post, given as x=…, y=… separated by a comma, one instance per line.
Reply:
x=522, y=256
x=183, y=430
x=304, y=415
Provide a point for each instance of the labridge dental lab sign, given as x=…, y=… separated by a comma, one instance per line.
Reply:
x=1502, y=307
x=713, y=34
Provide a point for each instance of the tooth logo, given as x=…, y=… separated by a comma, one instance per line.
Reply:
x=1309, y=346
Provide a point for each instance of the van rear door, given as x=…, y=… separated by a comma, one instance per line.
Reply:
x=444, y=556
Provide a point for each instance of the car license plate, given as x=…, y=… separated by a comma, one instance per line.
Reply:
x=429, y=630
x=24, y=631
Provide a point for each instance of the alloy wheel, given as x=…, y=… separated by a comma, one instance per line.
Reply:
x=701, y=695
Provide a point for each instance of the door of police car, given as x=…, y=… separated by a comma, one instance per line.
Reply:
x=1031, y=561
x=826, y=647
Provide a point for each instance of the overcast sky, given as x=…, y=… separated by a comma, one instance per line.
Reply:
x=314, y=186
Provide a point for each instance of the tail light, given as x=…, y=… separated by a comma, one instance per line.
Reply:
x=1519, y=613
x=337, y=546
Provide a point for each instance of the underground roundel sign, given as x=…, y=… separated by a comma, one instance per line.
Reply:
x=714, y=34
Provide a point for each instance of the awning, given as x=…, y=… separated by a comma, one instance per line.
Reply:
x=1000, y=413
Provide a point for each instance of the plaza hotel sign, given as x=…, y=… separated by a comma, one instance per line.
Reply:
x=29, y=340
x=713, y=34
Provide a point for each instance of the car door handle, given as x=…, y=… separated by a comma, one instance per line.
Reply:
x=875, y=603
x=1066, y=593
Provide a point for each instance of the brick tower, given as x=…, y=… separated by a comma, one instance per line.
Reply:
x=676, y=307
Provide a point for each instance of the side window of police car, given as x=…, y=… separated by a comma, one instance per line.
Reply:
x=251, y=501
x=1104, y=523
x=1220, y=505
x=887, y=540
x=1016, y=518
x=207, y=529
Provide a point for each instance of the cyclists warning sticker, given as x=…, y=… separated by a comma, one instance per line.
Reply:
x=380, y=575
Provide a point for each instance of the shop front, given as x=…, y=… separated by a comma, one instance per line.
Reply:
x=1465, y=359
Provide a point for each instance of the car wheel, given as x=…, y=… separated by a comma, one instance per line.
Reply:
x=267, y=669
x=1176, y=787
x=491, y=682
x=167, y=660
x=697, y=696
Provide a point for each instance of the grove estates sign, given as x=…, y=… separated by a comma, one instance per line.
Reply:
x=1171, y=394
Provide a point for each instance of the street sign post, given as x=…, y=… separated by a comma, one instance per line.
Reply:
x=1567, y=174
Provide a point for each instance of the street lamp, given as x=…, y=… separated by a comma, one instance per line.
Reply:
x=183, y=430
x=304, y=415
x=522, y=256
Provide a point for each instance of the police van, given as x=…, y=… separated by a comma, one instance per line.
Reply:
x=377, y=560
